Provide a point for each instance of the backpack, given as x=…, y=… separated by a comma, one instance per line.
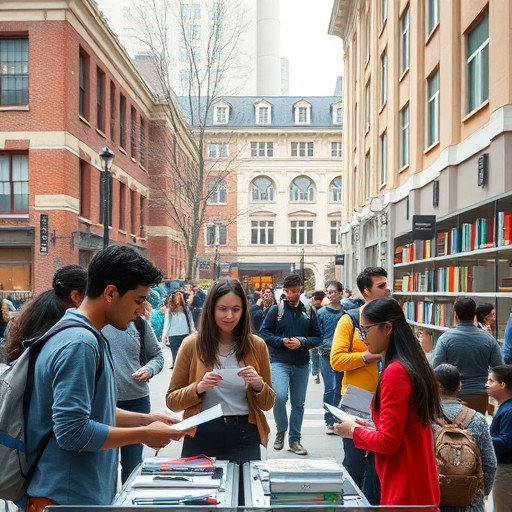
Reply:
x=458, y=459
x=16, y=384
x=280, y=310
x=354, y=316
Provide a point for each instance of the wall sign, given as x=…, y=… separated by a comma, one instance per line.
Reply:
x=43, y=234
x=339, y=259
x=483, y=161
x=423, y=227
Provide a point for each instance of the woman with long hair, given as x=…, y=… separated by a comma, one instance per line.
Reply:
x=224, y=363
x=45, y=310
x=404, y=405
x=178, y=322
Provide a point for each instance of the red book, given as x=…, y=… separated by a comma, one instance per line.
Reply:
x=489, y=236
x=473, y=236
x=507, y=235
x=451, y=279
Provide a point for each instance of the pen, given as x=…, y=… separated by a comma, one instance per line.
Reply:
x=180, y=478
x=201, y=501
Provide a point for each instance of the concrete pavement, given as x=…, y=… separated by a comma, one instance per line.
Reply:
x=314, y=438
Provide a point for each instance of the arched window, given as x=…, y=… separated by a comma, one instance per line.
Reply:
x=217, y=191
x=335, y=190
x=262, y=189
x=302, y=189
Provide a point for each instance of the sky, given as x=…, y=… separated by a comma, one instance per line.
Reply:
x=315, y=57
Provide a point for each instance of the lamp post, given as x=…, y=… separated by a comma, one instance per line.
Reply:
x=106, y=157
x=302, y=272
x=216, y=266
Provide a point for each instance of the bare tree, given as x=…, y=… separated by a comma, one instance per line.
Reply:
x=191, y=181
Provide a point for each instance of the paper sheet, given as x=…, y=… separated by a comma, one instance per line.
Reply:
x=198, y=419
x=230, y=377
x=357, y=401
x=342, y=415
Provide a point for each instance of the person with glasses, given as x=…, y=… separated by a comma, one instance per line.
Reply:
x=350, y=355
x=328, y=317
x=404, y=405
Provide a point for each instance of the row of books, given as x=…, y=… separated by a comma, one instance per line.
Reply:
x=481, y=234
x=426, y=312
x=505, y=284
x=462, y=279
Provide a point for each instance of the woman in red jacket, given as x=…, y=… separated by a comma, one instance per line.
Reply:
x=405, y=403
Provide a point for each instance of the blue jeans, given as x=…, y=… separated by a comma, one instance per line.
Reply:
x=314, y=361
x=293, y=377
x=332, y=386
x=175, y=344
x=131, y=455
x=360, y=465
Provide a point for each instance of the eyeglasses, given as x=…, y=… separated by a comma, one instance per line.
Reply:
x=330, y=292
x=363, y=329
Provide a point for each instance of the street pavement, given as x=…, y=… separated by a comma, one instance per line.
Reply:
x=314, y=438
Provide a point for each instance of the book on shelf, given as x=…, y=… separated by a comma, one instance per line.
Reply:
x=504, y=232
x=442, y=244
x=505, y=284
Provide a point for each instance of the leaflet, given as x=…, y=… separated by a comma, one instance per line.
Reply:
x=341, y=415
x=230, y=376
x=202, y=417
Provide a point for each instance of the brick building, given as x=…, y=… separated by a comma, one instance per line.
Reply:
x=67, y=89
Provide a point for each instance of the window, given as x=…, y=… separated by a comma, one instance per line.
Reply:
x=122, y=120
x=367, y=34
x=196, y=32
x=367, y=107
x=262, y=189
x=301, y=232
x=142, y=140
x=133, y=211
x=302, y=189
x=262, y=232
x=336, y=149
x=383, y=158
x=263, y=115
x=383, y=77
x=218, y=150
x=184, y=79
x=217, y=191
x=112, y=110
x=85, y=190
x=404, y=117
x=14, y=71
x=404, y=48
x=216, y=234
x=16, y=268
x=432, y=15
x=221, y=115
x=335, y=232
x=478, y=64
x=133, y=133
x=196, y=54
x=83, y=84
x=338, y=113
x=335, y=190
x=433, y=109
x=261, y=149
x=13, y=183
x=100, y=100
x=383, y=11
x=122, y=205
x=367, y=176
x=183, y=53
x=302, y=149
x=142, y=213
x=303, y=114
x=196, y=11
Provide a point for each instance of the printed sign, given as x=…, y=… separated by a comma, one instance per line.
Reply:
x=423, y=227
x=43, y=234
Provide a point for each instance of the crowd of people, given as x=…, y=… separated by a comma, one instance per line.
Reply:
x=89, y=395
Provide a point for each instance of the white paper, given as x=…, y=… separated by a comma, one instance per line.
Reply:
x=341, y=415
x=230, y=376
x=357, y=401
x=202, y=417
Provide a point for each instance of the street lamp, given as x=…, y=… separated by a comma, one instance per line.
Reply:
x=216, y=265
x=302, y=270
x=106, y=157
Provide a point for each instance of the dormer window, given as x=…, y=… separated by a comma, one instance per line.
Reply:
x=263, y=112
x=302, y=112
x=221, y=115
x=337, y=113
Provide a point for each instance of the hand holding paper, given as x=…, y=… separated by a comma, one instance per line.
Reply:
x=198, y=419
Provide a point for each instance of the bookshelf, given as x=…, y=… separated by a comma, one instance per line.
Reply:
x=470, y=255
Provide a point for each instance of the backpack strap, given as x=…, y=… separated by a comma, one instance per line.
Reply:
x=354, y=316
x=464, y=418
x=140, y=325
x=280, y=310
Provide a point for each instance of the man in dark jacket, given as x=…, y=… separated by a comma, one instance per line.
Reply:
x=290, y=329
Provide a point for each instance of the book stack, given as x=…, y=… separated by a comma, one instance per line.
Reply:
x=312, y=481
x=505, y=285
